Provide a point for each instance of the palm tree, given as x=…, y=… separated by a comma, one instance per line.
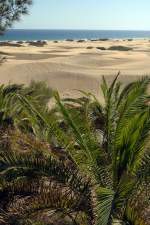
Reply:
x=7, y=106
x=94, y=158
x=114, y=146
x=11, y=112
x=36, y=187
x=38, y=183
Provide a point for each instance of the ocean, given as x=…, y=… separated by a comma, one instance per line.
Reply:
x=26, y=35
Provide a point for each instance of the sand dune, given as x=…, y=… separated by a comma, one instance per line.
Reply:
x=74, y=65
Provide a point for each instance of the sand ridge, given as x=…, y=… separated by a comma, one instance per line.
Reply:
x=69, y=65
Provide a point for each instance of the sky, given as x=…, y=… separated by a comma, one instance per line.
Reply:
x=87, y=14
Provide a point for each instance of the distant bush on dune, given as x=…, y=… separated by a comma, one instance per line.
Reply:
x=101, y=48
x=69, y=40
x=80, y=41
x=119, y=48
x=9, y=44
x=100, y=39
x=103, y=39
x=89, y=47
x=20, y=42
x=4, y=53
x=37, y=43
x=94, y=40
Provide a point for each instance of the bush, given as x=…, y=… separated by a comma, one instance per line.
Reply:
x=80, y=41
x=94, y=40
x=101, y=48
x=103, y=39
x=37, y=43
x=119, y=48
x=89, y=47
x=9, y=44
x=69, y=40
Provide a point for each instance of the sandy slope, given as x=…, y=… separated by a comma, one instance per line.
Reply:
x=71, y=65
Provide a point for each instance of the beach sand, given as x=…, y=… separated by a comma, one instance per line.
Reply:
x=71, y=65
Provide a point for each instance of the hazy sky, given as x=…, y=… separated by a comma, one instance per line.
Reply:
x=88, y=14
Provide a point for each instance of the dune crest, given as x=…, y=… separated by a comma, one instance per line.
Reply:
x=69, y=65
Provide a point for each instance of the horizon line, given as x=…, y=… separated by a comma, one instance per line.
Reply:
x=77, y=29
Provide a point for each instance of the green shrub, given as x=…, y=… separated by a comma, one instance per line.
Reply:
x=89, y=47
x=101, y=48
x=119, y=48
x=103, y=39
x=81, y=41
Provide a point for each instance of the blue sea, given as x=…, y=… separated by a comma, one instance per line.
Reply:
x=20, y=35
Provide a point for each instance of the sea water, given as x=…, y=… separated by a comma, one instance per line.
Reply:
x=26, y=35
